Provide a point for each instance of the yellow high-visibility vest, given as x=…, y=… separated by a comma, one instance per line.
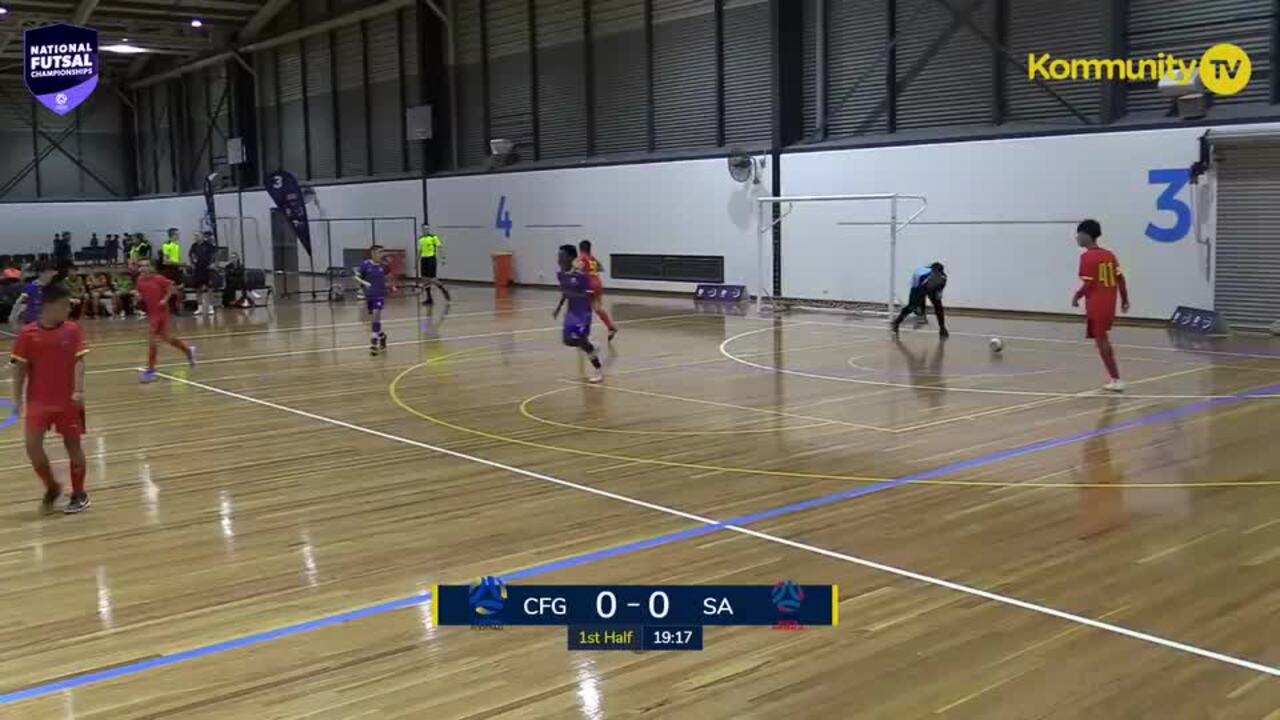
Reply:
x=172, y=253
x=428, y=245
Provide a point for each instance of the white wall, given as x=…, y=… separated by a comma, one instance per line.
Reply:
x=29, y=227
x=1007, y=209
x=1001, y=215
x=689, y=207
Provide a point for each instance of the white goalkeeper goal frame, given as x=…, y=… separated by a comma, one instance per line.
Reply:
x=764, y=231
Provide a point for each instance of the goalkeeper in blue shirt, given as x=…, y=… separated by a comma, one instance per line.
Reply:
x=926, y=283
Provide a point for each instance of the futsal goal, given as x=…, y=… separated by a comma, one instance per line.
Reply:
x=837, y=252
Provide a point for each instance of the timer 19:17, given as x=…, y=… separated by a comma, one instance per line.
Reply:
x=671, y=637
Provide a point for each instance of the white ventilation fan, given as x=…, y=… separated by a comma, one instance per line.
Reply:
x=744, y=168
x=502, y=152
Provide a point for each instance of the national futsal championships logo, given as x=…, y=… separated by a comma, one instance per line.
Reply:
x=1224, y=69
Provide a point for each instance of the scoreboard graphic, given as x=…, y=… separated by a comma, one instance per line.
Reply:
x=636, y=617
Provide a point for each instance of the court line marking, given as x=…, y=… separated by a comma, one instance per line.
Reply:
x=393, y=390
x=708, y=526
x=311, y=328
x=853, y=363
x=982, y=391
x=813, y=421
x=395, y=397
x=1033, y=338
x=365, y=346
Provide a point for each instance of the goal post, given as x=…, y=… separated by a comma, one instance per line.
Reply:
x=892, y=211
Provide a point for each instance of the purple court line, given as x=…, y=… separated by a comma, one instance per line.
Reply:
x=13, y=414
x=163, y=661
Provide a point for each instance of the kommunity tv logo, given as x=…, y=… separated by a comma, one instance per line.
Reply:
x=1223, y=69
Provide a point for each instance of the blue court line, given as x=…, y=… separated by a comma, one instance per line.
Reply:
x=122, y=671
x=13, y=414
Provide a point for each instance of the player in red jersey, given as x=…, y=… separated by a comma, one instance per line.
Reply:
x=588, y=265
x=156, y=291
x=1101, y=280
x=48, y=382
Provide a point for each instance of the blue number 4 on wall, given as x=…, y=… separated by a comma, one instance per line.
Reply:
x=503, y=221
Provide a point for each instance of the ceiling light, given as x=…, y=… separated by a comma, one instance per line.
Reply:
x=197, y=23
x=122, y=49
x=4, y=10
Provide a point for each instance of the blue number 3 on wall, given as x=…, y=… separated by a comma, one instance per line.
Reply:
x=503, y=221
x=1173, y=180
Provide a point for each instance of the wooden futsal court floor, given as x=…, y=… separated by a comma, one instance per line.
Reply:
x=1008, y=542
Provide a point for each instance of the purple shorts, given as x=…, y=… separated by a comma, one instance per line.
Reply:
x=374, y=303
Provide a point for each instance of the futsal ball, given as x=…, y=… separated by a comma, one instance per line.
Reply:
x=996, y=345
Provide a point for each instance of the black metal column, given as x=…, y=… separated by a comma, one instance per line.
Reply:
x=720, y=108
x=999, y=68
x=1113, y=92
x=275, y=68
x=246, y=123
x=486, y=119
x=400, y=76
x=648, y=73
x=306, y=108
x=532, y=19
x=891, y=70
x=368, y=99
x=334, y=99
x=589, y=77
x=787, y=44
x=35, y=145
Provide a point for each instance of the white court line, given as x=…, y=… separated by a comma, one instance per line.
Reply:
x=929, y=580
x=950, y=389
x=365, y=346
x=309, y=328
x=1032, y=338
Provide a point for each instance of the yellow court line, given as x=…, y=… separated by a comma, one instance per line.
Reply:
x=1047, y=401
x=393, y=390
x=814, y=421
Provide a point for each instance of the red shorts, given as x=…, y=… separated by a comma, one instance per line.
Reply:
x=67, y=420
x=1097, y=325
x=159, y=323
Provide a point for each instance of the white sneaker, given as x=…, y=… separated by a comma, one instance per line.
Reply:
x=1115, y=386
x=596, y=377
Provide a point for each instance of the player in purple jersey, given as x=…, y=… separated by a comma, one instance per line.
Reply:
x=575, y=289
x=27, y=306
x=372, y=274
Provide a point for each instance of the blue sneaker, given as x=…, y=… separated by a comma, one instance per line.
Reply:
x=148, y=376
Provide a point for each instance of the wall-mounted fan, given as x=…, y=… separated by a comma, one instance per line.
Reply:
x=744, y=168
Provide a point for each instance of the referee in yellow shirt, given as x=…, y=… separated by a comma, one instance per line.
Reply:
x=429, y=246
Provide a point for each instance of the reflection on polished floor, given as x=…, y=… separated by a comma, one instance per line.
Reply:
x=1022, y=547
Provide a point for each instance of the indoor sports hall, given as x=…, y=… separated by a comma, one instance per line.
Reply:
x=600, y=359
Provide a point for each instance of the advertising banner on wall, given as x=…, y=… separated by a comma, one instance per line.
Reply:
x=60, y=65
x=285, y=192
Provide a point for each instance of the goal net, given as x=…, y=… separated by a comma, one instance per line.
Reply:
x=838, y=252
